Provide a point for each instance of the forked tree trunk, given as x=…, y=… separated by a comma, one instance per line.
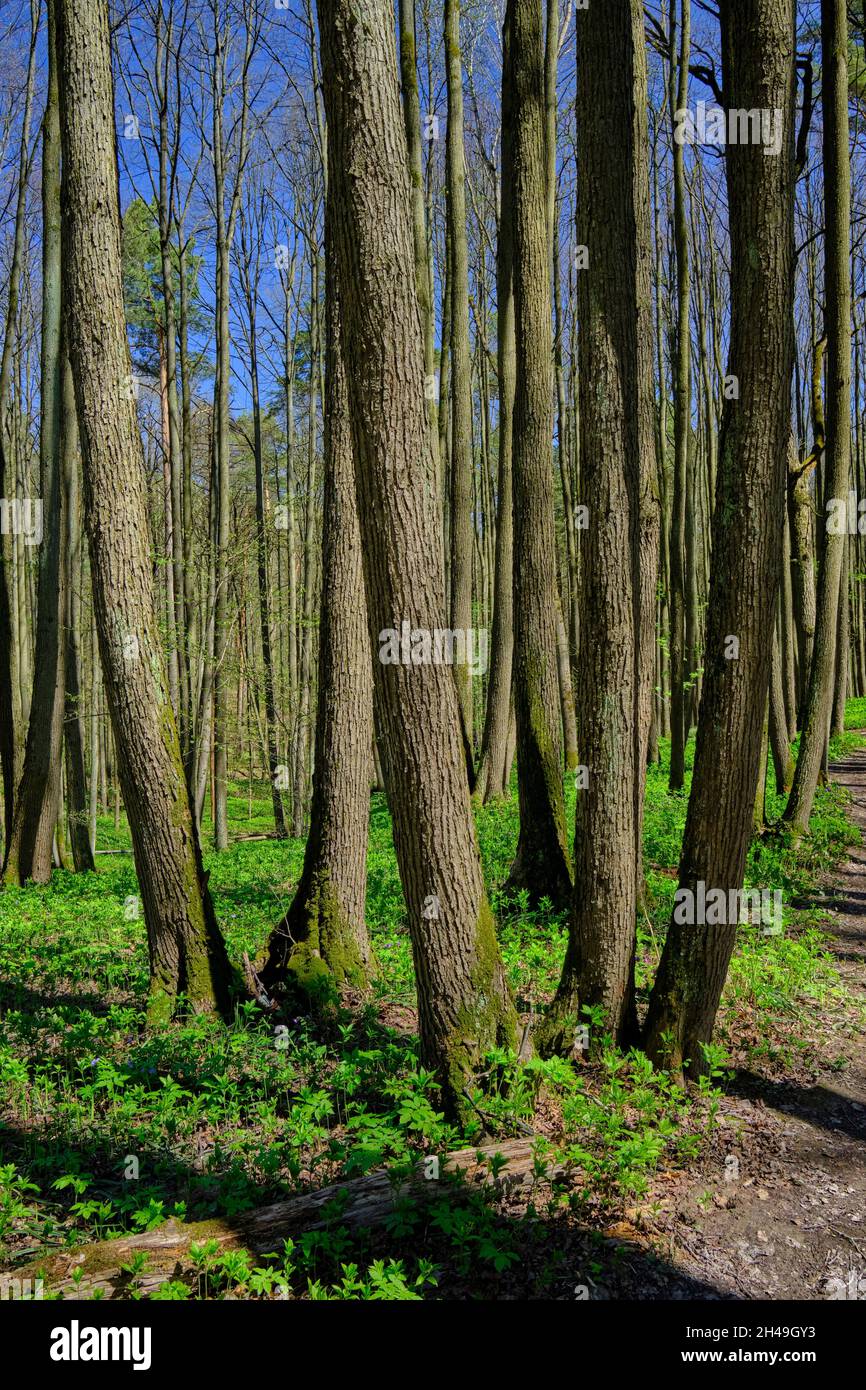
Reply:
x=464, y=1005
x=187, y=952
x=324, y=931
x=758, y=72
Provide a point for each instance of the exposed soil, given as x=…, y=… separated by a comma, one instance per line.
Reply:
x=782, y=1211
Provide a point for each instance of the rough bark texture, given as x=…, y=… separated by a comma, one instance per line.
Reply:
x=679, y=90
x=463, y=1000
x=837, y=277
x=649, y=505
x=613, y=204
x=541, y=865
x=186, y=950
x=324, y=931
x=758, y=71
x=37, y=804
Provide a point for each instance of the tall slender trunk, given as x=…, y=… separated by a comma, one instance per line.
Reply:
x=251, y=288
x=412, y=122
x=491, y=780
x=73, y=733
x=11, y=724
x=461, y=370
x=679, y=95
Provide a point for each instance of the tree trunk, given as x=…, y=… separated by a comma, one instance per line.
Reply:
x=464, y=1005
x=11, y=732
x=616, y=433
x=758, y=72
x=783, y=762
x=679, y=95
x=186, y=950
x=73, y=733
x=491, y=781
x=541, y=866
x=324, y=931
x=29, y=854
x=837, y=184
x=461, y=371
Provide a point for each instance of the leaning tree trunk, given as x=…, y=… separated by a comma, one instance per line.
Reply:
x=541, y=865
x=837, y=185
x=758, y=72
x=324, y=932
x=29, y=854
x=615, y=435
x=187, y=952
x=464, y=1005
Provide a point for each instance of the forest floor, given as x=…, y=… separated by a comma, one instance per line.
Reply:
x=780, y=1211
x=750, y=1185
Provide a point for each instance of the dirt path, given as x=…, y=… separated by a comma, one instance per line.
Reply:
x=784, y=1213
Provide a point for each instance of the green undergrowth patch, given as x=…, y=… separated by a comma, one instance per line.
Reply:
x=109, y=1128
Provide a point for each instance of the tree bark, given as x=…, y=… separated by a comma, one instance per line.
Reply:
x=29, y=854
x=324, y=931
x=679, y=95
x=616, y=432
x=73, y=733
x=758, y=72
x=186, y=950
x=464, y=1005
x=461, y=371
x=491, y=781
x=837, y=276
x=541, y=866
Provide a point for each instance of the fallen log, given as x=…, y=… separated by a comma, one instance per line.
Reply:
x=81, y=1272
